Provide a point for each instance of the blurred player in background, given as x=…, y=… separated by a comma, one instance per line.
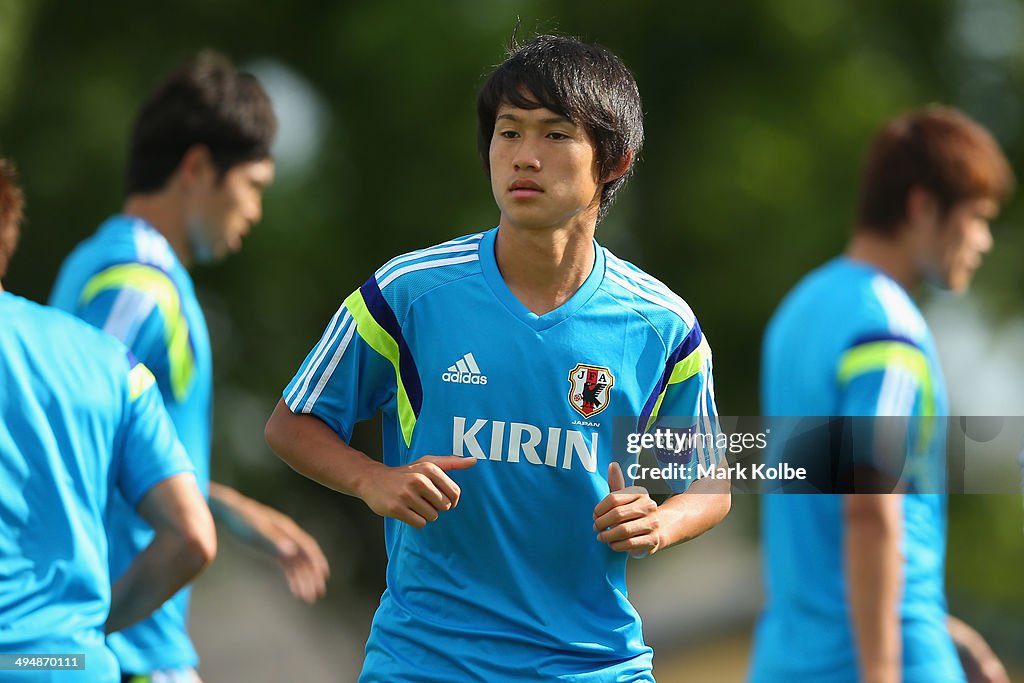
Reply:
x=81, y=421
x=198, y=163
x=498, y=360
x=854, y=583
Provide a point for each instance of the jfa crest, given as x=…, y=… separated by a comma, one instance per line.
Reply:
x=589, y=389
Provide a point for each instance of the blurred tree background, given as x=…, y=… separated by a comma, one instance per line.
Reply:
x=758, y=113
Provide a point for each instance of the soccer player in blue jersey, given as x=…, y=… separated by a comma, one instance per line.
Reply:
x=854, y=582
x=198, y=163
x=499, y=360
x=81, y=421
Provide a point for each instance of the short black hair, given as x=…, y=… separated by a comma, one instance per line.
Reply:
x=11, y=205
x=587, y=84
x=205, y=101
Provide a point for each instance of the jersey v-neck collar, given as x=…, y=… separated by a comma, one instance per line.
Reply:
x=489, y=267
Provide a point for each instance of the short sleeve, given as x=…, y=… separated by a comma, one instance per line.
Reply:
x=884, y=375
x=351, y=372
x=147, y=449
x=886, y=381
x=140, y=305
x=686, y=406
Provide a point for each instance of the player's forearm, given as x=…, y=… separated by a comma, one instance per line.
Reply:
x=230, y=508
x=312, y=449
x=685, y=516
x=169, y=562
x=226, y=504
x=184, y=542
x=874, y=571
x=980, y=663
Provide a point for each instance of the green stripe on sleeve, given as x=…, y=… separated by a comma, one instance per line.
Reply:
x=139, y=379
x=156, y=284
x=691, y=365
x=881, y=355
x=684, y=370
x=383, y=343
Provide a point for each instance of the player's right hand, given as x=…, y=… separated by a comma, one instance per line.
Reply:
x=627, y=519
x=416, y=493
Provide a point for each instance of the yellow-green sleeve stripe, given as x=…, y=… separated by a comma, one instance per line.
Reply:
x=156, y=284
x=380, y=341
x=139, y=379
x=879, y=356
x=684, y=370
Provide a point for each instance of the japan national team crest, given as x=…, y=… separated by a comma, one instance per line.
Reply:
x=590, y=387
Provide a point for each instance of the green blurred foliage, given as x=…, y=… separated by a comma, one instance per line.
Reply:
x=984, y=563
x=758, y=113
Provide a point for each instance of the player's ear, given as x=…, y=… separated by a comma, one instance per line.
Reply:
x=196, y=167
x=922, y=207
x=621, y=168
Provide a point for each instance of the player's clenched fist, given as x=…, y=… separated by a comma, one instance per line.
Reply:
x=627, y=518
x=418, y=492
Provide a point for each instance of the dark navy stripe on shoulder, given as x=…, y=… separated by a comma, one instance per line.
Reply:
x=884, y=337
x=385, y=317
x=689, y=344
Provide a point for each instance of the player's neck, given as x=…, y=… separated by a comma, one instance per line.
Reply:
x=891, y=255
x=165, y=213
x=542, y=268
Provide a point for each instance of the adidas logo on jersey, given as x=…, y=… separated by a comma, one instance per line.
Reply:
x=465, y=371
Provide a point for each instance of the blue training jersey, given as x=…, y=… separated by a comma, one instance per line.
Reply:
x=849, y=340
x=126, y=280
x=511, y=585
x=80, y=421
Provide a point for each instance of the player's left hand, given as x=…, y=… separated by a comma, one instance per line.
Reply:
x=980, y=663
x=303, y=562
x=627, y=518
